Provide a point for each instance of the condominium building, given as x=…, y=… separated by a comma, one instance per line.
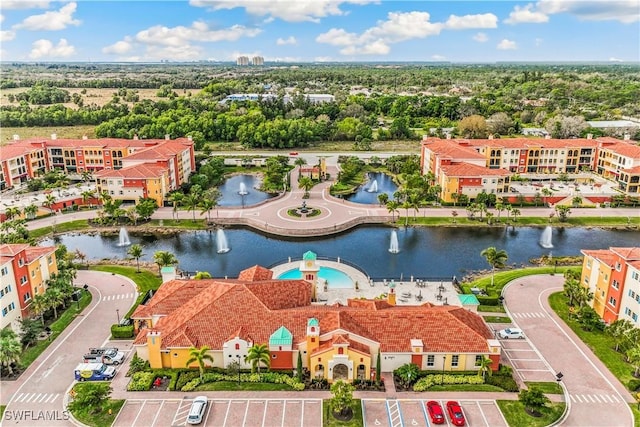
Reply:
x=242, y=60
x=613, y=275
x=25, y=271
x=257, y=60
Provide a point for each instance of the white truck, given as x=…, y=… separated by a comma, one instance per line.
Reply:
x=108, y=356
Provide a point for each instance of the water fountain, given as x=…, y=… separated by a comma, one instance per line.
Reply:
x=373, y=188
x=393, y=246
x=123, y=237
x=221, y=242
x=243, y=189
x=545, y=239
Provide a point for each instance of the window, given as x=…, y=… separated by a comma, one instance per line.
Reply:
x=612, y=301
x=589, y=263
x=632, y=294
x=478, y=359
x=237, y=346
x=26, y=297
x=454, y=361
x=50, y=260
x=33, y=273
x=634, y=317
x=615, y=284
x=431, y=360
x=23, y=280
x=20, y=262
x=635, y=275
x=5, y=271
x=4, y=312
x=618, y=266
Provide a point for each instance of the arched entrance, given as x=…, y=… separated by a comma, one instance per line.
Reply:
x=340, y=372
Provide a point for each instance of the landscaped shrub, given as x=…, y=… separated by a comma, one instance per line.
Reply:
x=141, y=381
x=488, y=300
x=504, y=382
x=118, y=331
x=184, y=377
x=429, y=381
x=633, y=385
x=137, y=364
x=267, y=377
x=191, y=385
x=172, y=374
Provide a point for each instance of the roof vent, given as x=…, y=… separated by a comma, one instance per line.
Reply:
x=16, y=137
x=54, y=136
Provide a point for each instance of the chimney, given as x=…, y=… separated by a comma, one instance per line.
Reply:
x=190, y=138
x=135, y=137
x=490, y=136
x=54, y=136
x=589, y=136
x=167, y=136
x=85, y=137
x=16, y=137
x=627, y=137
x=448, y=136
x=547, y=136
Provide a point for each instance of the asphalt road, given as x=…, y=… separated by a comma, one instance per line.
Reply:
x=594, y=396
x=36, y=398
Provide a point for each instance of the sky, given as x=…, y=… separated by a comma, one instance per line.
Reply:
x=320, y=30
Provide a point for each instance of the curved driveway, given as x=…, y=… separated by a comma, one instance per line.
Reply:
x=595, y=396
x=36, y=398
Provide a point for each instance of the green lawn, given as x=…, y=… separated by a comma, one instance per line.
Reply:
x=504, y=277
x=144, y=280
x=64, y=227
x=32, y=353
x=188, y=224
x=599, y=342
x=497, y=319
x=329, y=421
x=462, y=220
x=546, y=387
x=465, y=387
x=243, y=386
x=516, y=416
x=491, y=308
x=2, y=408
x=97, y=416
x=636, y=414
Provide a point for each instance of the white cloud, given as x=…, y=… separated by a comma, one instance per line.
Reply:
x=199, y=31
x=526, y=14
x=614, y=59
x=399, y=27
x=119, y=48
x=438, y=58
x=287, y=10
x=50, y=21
x=45, y=49
x=481, y=37
x=289, y=40
x=6, y=36
x=506, y=44
x=185, y=52
x=625, y=11
x=1, y=18
x=486, y=20
x=25, y=4
x=323, y=59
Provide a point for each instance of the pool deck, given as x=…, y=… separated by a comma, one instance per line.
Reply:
x=409, y=292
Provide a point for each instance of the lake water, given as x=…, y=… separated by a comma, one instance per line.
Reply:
x=231, y=194
x=423, y=251
x=367, y=194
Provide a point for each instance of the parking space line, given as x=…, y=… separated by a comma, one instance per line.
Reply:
x=284, y=409
x=482, y=413
x=227, y=413
x=302, y=413
x=206, y=416
x=153, y=423
x=139, y=413
x=246, y=411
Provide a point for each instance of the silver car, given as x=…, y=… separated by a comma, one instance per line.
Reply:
x=198, y=408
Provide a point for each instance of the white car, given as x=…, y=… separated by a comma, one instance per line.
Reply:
x=198, y=408
x=510, y=333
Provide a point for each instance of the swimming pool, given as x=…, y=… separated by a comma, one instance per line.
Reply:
x=336, y=279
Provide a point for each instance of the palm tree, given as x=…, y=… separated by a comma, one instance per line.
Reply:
x=199, y=355
x=495, y=258
x=12, y=212
x=80, y=255
x=10, y=349
x=258, y=354
x=163, y=258
x=576, y=201
x=86, y=195
x=135, y=251
x=176, y=199
x=30, y=211
x=499, y=208
x=454, y=197
x=206, y=206
x=300, y=162
x=132, y=215
x=55, y=298
x=383, y=198
x=515, y=212
x=39, y=305
x=392, y=207
x=191, y=202
x=618, y=330
x=49, y=200
x=545, y=193
x=306, y=184
x=454, y=214
x=484, y=366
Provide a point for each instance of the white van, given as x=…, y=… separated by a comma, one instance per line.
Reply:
x=198, y=408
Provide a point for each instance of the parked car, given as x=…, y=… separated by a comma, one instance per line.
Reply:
x=94, y=372
x=110, y=356
x=435, y=412
x=198, y=408
x=511, y=333
x=293, y=153
x=455, y=413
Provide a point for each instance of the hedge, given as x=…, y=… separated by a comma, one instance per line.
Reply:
x=118, y=331
x=429, y=381
x=484, y=300
x=267, y=377
x=141, y=381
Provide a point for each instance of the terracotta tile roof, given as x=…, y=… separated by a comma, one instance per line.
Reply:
x=603, y=255
x=527, y=143
x=634, y=170
x=628, y=254
x=464, y=170
x=18, y=149
x=624, y=149
x=260, y=308
x=35, y=252
x=342, y=339
x=12, y=249
x=255, y=273
x=451, y=149
x=160, y=151
x=145, y=170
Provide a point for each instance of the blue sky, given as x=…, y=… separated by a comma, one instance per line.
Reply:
x=320, y=30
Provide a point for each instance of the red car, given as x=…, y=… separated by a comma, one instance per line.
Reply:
x=455, y=413
x=293, y=153
x=435, y=412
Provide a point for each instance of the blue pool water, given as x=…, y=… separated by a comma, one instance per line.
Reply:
x=335, y=278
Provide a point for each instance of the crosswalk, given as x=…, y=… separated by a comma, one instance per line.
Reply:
x=37, y=397
x=532, y=315
x=594, y=398
x=117, y=297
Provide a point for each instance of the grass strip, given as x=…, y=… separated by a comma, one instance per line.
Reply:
x=514, y=413
x=329, y=421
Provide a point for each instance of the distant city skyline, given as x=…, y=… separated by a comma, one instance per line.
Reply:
x=321, y=31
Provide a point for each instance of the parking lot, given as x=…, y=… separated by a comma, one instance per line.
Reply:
x=222, y=413
x=412, y=412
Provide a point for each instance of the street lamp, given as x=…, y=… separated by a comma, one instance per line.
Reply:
x=118, y=314
x=238, y=356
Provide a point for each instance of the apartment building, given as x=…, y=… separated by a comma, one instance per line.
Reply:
x=620, y=161
x=25, y=269
x=613, y=275
x=20, y=162
x=132, y=183
x=9, y=299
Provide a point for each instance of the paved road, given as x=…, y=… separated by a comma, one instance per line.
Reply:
x=36, y=399
x=595, y=396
